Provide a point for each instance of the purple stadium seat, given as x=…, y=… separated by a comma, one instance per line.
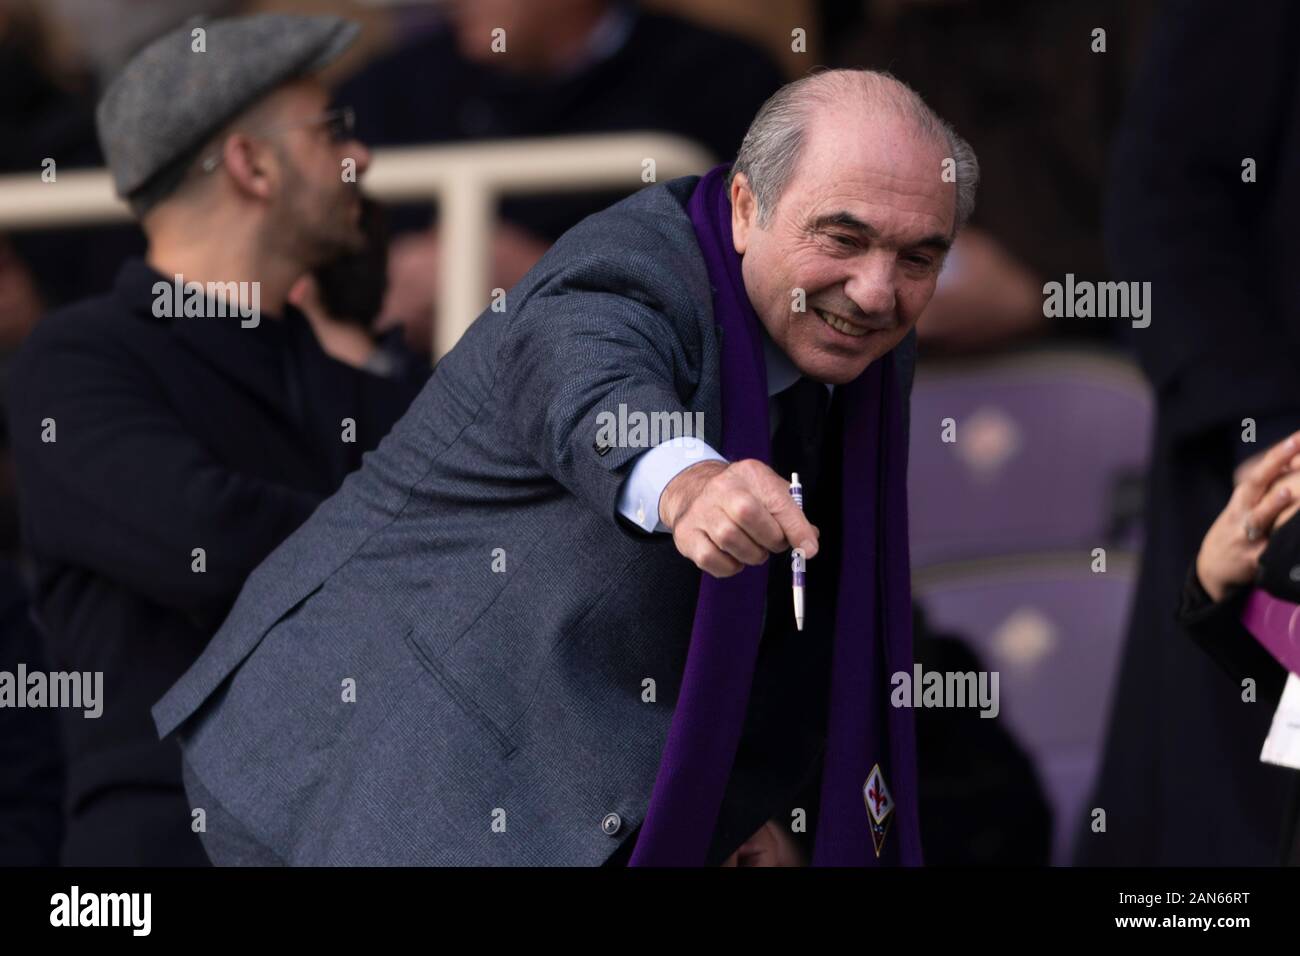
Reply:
x=1052, y=629
x=1049, y=446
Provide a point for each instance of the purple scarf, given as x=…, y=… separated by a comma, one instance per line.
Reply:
x=873, y=621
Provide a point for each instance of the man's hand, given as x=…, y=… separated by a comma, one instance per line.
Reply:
x=772, y=845
x=725, y=516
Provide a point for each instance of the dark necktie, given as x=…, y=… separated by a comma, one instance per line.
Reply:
x=801, y=420
x=800, y=445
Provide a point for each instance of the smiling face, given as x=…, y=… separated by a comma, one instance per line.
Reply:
x=861, y=227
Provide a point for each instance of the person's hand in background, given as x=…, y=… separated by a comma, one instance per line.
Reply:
x=1265, y=497
x=1289, y=480
x=413, y=264
x=414, y=261
x=772, y=845
x=1241, y=471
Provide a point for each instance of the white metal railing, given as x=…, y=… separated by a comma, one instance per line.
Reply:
x=464, y=180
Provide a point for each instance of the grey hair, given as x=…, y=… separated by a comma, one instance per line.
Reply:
x=772, y=145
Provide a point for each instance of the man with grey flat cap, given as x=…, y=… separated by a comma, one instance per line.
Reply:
x=170, y=434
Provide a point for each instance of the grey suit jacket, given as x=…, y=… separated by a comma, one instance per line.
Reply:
x=447, y=663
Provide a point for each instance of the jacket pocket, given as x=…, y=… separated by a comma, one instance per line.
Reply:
x=464, y=700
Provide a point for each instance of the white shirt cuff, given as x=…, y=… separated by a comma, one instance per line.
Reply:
x=638, y=499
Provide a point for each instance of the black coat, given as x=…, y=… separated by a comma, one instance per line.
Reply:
x=1216, y=627
x=31, y=781
x=1181, y=781
x=171, y=435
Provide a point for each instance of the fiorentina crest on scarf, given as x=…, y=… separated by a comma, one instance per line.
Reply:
x=880, y=806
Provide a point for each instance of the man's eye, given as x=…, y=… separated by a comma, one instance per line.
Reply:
x=923, y=262
x=846, y=242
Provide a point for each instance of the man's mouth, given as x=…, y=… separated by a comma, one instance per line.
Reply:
x=842, y=325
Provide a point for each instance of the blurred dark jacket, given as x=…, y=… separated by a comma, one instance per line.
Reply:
x=31, y=786
x=668, y=76
x=1019, y=81
x=1217, y=629
x=170, y=435
x=39, y=120
x=1223, y=346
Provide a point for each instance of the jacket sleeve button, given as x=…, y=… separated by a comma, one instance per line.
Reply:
x=611, y=823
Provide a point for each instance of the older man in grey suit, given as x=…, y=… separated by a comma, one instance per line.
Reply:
x=479, y=651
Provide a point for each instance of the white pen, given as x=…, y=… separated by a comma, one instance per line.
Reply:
x=797, y=563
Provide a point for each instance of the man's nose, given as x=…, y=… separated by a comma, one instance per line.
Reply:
x=871, y=287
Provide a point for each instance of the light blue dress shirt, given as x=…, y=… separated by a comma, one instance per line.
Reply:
x=638, y=499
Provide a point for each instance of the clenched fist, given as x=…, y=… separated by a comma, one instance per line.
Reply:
x=725, y=516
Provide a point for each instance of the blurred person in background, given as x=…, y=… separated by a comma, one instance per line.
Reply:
x=47, y=104
x=107, y=33
x=568, y=66
x=46, y=112
x=1202, y=204
x=31, y=786
x=164, y=448
x=342, y=299
x=1230, y=562
x=982, y=802
x=1041, y=105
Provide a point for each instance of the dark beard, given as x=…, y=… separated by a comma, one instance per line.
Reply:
x=328, y=245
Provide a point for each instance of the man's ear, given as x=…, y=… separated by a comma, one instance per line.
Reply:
x=744, y=212
x=248, y=164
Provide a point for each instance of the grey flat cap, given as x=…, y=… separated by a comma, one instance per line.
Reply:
x=169, y=100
